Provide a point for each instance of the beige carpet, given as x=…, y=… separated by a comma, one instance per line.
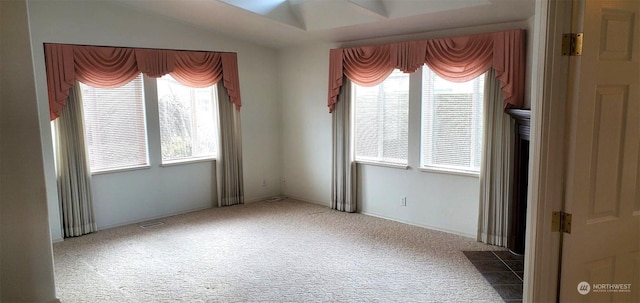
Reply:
x=284, y=251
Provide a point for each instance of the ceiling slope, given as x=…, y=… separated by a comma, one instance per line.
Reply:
x=284, y=23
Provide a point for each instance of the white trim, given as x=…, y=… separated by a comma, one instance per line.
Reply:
x=547, y=163
x=119, y=170
x=448, y=171
x=327, y=204
x=383, y=164
x=266, y=198
x=470, y=236
x=188, y=161
x=154, y=218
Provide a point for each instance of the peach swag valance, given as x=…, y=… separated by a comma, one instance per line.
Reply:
x=109, y=67
x=457, y=59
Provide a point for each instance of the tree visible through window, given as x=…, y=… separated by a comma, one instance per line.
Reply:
x=188, y=120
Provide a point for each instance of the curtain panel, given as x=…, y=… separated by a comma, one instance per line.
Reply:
x=109, y=67
x=496, y=172
x=72, y=168
x=229, y=175
x=457, y=59
x=343, y=164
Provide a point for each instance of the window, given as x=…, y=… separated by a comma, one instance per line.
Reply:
x=115, y=126
x=451, y=123
x=188, y=121
x=382, y=120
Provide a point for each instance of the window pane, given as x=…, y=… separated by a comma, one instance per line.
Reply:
x=451, y=122
x=115, y=126
x=382, y=120
x=188, y=125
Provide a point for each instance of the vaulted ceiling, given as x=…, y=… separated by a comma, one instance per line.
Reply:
x=283, y=23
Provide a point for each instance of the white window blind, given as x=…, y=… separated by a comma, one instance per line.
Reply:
x=382, y=120
x=115, y=126
x=188, y=121
x=451, y=123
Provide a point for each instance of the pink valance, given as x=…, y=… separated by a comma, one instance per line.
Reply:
x=115, y=66
x=457, y=59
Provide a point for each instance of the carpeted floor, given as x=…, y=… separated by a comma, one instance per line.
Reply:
x=284, y=251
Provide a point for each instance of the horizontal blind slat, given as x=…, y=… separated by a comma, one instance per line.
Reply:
x=451, y=122
x=115, y=126
x=382, y=120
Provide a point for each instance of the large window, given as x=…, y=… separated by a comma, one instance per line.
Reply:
x=382, y=120
x=188, y=125
x=115, y=126
x=451, y=123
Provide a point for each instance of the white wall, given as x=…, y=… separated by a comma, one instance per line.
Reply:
x=143, y=194
x=26, y=258
x=435, y=200
x=306, y=123
x=287, y=137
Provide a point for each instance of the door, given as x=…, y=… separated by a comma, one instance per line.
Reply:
x=600, y=257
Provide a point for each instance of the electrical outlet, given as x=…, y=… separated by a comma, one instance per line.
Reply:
x=403, y=201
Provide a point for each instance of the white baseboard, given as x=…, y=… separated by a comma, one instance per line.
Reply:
x=422, y=225
x=262, y=199
x=153, y=218
x=163, y=216
x=327, y=204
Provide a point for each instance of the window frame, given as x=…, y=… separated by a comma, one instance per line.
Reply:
x=145, y=129
x=379, y=161
x=451, y=169
x=215, y=117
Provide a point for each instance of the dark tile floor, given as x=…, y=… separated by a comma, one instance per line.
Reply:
x=502, y=269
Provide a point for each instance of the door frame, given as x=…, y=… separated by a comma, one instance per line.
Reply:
x=547, y=164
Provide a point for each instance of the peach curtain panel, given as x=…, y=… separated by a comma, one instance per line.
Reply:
x=456, y=59
x=115, y=66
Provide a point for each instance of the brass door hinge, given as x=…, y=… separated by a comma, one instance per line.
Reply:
x=572, y=44
x=561, y=222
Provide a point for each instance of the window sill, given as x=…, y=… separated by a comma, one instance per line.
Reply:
x=439, y=170
x=383, y=164
x=119, y=170
x=187, y=161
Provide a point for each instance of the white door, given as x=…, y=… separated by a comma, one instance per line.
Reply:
x=603, y=181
